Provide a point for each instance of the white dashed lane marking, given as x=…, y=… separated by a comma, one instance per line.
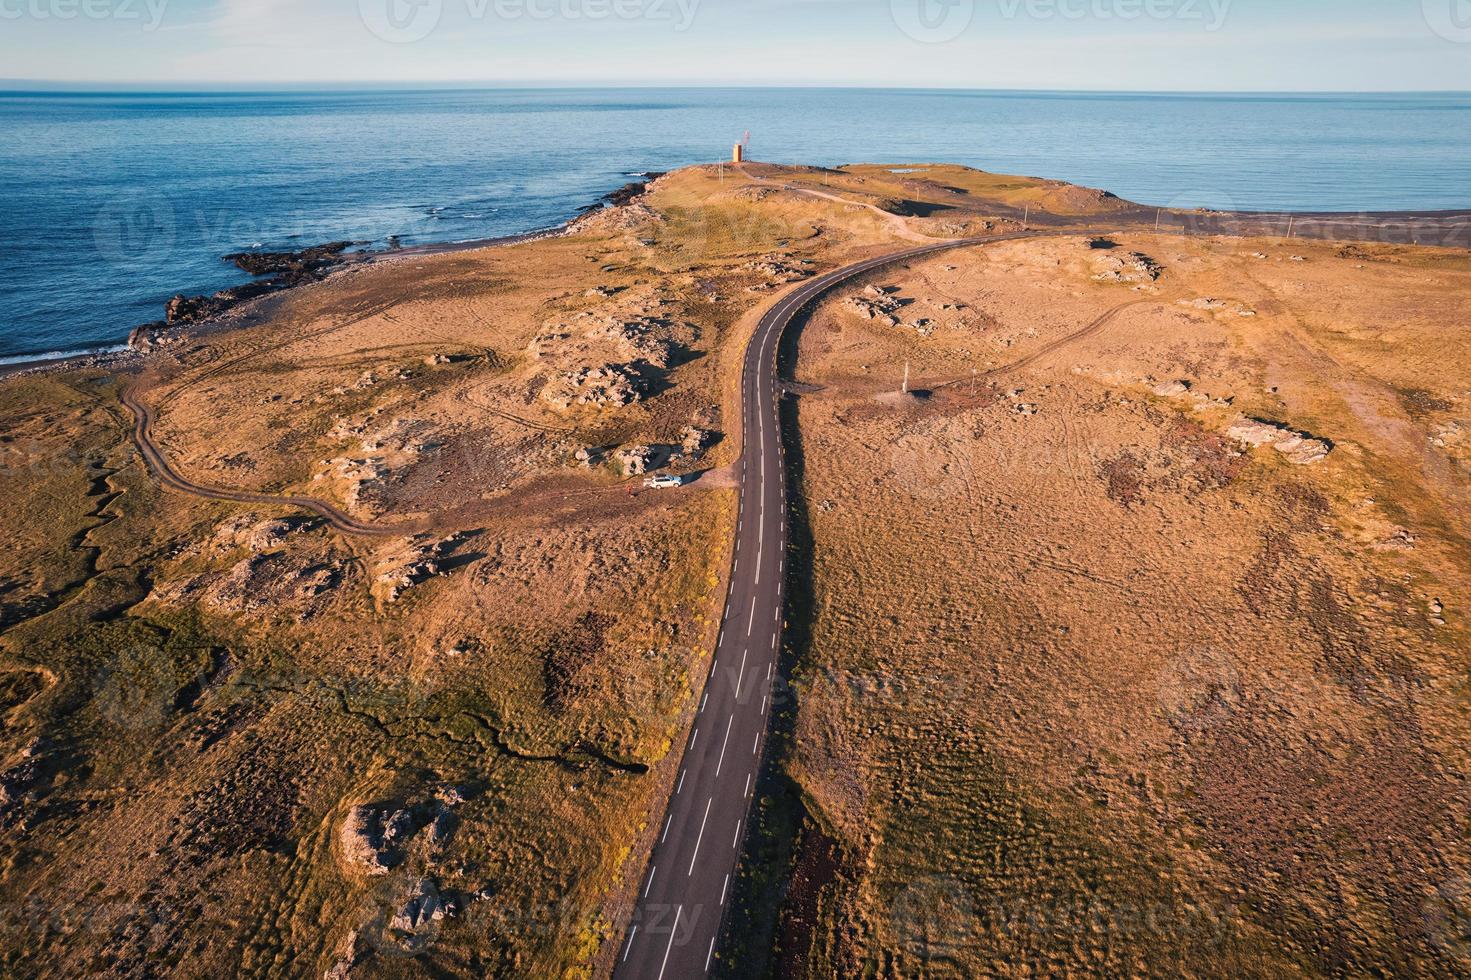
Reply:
x=665, y=965
x=699, y=840
x=721, y=764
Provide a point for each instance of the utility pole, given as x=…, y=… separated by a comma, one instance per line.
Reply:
x=1026, y=217
x=906, y=377
x=1291, y=223
x=1157, y=216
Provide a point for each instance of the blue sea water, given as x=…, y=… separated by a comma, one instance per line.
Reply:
x=111, y=203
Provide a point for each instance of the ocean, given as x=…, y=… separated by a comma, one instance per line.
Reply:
x=114, y=202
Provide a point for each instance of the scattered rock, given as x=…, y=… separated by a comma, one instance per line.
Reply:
x=1172, y=389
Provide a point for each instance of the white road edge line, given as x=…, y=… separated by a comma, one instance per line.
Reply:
x=652, y=871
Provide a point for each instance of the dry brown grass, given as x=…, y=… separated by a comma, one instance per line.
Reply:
x=1091, y=691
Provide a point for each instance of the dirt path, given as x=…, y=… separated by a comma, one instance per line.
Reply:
x=1051, y=347
x=158, y=464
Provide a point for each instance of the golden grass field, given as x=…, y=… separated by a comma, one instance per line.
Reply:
x=1084, y=684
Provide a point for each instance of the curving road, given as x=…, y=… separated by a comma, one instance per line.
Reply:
x=683, y=897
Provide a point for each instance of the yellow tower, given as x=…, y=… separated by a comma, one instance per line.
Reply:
x=738, y=155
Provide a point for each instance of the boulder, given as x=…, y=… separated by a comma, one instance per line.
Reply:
x=694, y=441
x=636, y=460
x=423, y=907
x=361, y=842
x=590, y=456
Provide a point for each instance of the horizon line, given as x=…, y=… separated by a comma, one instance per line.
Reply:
x=13, y=86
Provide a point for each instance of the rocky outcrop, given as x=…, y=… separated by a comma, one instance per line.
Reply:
x=375, y=838
x=611, y=385
x=877, y=303
x=1171, y=389
x=366, y=839
x=292, y=268
x=402, y=569
x=1216, y=305
x=694, y=441
x=1136, y=267
x=284, y=269
x=267, y=584
x=424, y=906
x=779, y=270
x=637, y=460
x=1299, y=448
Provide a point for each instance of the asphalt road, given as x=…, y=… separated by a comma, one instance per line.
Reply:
x=685, y=892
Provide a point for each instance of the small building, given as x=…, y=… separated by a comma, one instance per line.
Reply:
x=738, y=155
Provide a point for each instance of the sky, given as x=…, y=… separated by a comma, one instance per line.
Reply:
x=1117, y=45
